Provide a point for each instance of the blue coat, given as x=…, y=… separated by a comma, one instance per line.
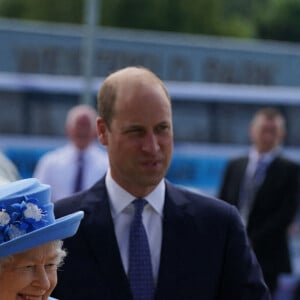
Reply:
x=205, y=252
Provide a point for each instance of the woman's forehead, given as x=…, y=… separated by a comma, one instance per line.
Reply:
x=39, y=253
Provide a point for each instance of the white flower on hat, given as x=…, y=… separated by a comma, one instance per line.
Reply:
x=4, y=217
x=32, y=211
x=15, y=232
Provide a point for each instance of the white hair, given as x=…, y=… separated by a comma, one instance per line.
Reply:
x=58, y=244
x=78, y=111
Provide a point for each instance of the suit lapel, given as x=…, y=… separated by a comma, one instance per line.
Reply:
x=238, y=181
x=274, y=174
x=173, y=232
x=273, y=169
x=101, y=237
x=186, y=259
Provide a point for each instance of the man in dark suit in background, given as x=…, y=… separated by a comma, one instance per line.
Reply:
x=142, y=238
x=264, y=187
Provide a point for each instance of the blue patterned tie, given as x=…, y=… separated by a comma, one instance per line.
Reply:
x=260, y=172
x=79, y=174
x=249, y=189
x=140, y=267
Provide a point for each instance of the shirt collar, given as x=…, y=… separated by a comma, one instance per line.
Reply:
x=85, y=152
x=266, y=157
x=120, y=198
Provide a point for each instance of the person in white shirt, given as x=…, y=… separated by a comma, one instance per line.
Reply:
x=8, y=171
x=60, y=167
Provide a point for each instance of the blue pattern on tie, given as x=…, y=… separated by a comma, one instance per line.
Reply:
x=249, y=189
x=260, y=172
x=140, y=268
x=79, y=174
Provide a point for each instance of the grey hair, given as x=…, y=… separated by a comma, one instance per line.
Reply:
x=77, y=112
x=58, y=245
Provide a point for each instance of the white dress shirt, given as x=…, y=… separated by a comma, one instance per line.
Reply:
x=122, y=213
x=58, y=168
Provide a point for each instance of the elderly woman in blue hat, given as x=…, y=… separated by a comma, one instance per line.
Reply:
x=30, y=240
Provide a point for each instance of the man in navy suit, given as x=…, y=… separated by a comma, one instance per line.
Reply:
x=198, y=246
x=273, y=182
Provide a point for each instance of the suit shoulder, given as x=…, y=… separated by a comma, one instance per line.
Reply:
x=85, y=200
x=289, y=161
x=202, y=203
x=68, y=205
x=288, y=164
x=209, y=212
x=237, y=160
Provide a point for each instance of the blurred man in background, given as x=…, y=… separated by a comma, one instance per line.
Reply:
x=8, y=171
x=80, y=163
x=264, y=187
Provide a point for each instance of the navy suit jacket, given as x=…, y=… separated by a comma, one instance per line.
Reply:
x=274, y=207
x=205, y=252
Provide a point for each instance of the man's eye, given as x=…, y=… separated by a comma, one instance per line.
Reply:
x=135, y=131
x=51, y=266
x=163, y=127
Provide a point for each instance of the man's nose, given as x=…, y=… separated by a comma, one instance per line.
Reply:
x=150, y=143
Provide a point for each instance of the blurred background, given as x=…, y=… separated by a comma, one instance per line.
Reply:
x=221, y=61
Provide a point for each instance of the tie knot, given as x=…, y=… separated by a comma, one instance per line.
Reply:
x=139, y=206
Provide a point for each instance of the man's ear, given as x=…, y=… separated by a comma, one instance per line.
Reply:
x=102, y=131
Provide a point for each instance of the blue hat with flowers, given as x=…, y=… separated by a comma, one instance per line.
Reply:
x=27, y=217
